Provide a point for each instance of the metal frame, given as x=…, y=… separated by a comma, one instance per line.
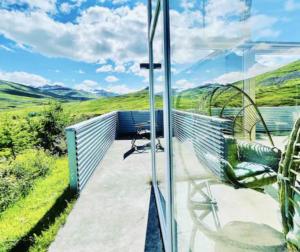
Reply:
x=166, y=220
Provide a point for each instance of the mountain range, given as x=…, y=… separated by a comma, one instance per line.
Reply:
x=15, y=94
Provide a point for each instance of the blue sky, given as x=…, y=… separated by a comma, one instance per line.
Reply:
x=98, y=44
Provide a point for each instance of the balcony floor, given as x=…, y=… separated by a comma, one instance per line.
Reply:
x=111, y=212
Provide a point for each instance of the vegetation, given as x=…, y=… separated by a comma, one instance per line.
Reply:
x=37, y=211
x=17, y=178
x=276, y=88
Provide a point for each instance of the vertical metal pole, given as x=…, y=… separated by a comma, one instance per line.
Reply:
x=72, y=158
x=151, y=95
x=168, y=128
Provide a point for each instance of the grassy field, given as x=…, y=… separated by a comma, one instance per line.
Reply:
x=37, y=212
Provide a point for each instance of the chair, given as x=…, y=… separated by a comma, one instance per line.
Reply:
x=142, y=131
x=250, y=165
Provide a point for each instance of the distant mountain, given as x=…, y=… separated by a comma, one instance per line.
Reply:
x=67, y=93
x=15, y=94
x=104, y=93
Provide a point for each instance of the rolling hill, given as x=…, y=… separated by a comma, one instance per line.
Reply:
x=280, y=87
x=13, y=95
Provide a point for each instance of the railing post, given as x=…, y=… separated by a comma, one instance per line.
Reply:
x=72, y=158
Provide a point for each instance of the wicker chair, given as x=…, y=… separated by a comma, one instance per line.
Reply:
x=250, y=165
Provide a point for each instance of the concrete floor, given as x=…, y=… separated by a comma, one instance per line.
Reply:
x=242, y=220
x=112, y=210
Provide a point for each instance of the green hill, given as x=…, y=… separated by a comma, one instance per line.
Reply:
x=280, y=87
x=13, y=95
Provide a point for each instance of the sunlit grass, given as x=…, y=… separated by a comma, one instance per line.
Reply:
x=18, y=220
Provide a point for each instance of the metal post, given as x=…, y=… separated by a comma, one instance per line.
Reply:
x=72, y=158
x=168, y=128
x=151, y=95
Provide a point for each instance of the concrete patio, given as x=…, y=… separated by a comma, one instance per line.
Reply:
x=112, y=210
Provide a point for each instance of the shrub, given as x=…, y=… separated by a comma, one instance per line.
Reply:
x=15, y=136
x=49, y=129
x=17, y=178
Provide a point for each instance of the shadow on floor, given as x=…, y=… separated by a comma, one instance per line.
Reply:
x=153, y=241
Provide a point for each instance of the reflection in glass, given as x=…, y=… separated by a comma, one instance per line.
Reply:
x=158, y=92
x=236, y=79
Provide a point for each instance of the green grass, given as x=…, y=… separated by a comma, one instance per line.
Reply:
x=18, y=221
x=43, y=241
x=86, y=109
x=280, y=87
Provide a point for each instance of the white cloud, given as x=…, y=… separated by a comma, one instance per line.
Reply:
x=25, y=78
x=88, y=85
x=99, y=34
x=44, y=5
x=188, y=4
x=104, y=69
x=120, y=68
x=160, y=78
x=6, y=48
x=111, y=78
x=109, y=68
x=65, y=8
x=115, y=2
x=224, y=28
x=81, y=71
x=274, y=61
x=135, y=69
x=120, y=89
x=119, y=34
x=264, y=63
x=184, y=84
x=291, y=5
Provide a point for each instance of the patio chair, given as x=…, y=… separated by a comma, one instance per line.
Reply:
x=250, y=165
x=142, y=131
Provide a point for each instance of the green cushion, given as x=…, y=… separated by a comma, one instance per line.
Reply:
x=258, y=153
x=247, y=169
x=260, y=180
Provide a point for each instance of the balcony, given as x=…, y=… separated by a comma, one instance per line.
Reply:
x=112, y=209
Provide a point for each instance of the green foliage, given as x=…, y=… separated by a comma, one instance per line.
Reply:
x=19, y=219
x=49, y=129
x=15, y=136
x=18, y=176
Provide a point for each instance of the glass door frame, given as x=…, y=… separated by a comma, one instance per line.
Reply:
x=166, y=220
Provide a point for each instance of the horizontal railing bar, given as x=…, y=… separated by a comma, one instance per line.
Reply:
x=83, y=158
x=83, y=150
x=95, y=127
x=83, y=141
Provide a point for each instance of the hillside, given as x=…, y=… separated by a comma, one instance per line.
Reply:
x=280, y=87
x=13, y=95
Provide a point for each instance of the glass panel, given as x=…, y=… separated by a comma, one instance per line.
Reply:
x=158, y=80
x=236, y=82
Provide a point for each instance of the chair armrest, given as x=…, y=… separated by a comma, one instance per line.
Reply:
x=230, y=175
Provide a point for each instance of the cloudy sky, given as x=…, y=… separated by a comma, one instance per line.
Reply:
x=93, y=44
